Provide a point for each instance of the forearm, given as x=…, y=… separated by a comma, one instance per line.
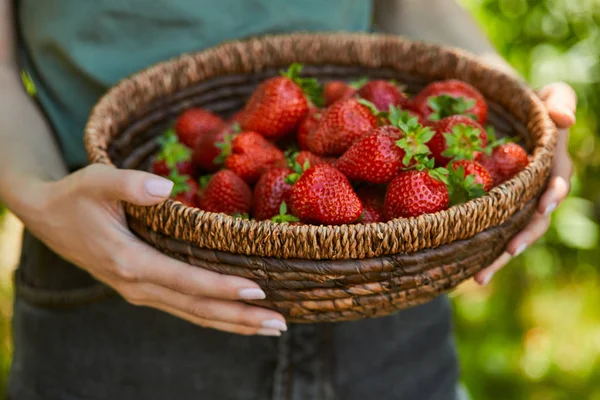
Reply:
x=28, y=153
x=439, y=21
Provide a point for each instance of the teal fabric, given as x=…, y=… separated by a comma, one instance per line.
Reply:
x=76, y=49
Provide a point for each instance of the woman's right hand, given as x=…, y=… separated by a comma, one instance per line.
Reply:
x=81, y=218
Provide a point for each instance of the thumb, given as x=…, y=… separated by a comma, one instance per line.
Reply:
x=135, y=187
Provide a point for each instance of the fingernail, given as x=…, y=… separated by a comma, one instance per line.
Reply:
x=252, y=294
x=274, y=324
x=549, y=208
x=158, y=187
x=569, y=114
x=520, y=249
x=488, y=278
x=269, y=332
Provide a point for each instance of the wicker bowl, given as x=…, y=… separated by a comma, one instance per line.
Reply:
x=324, y=273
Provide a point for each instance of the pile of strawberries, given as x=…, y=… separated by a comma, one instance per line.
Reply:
x=339, y=153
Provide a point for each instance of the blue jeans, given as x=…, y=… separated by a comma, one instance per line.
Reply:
x=71, y=347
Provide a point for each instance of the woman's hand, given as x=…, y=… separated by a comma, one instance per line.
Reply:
x=81, y=218
x=561, y=101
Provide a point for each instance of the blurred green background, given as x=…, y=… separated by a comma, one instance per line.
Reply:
x=534, y=332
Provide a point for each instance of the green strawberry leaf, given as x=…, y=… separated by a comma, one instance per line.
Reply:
x=298, y=170
x=236, y=127
x=283, y=216
x=180, y=184
x=311, y=88
x=463, y=188
x=444, y=106
x=204, y=180
x=462, y=142
x=225, y=147
x=172, y=152
x=372, y=108
x=416, y=136
x=241, y=215
x=358, y=83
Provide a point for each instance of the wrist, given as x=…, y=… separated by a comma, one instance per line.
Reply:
x=24, y=196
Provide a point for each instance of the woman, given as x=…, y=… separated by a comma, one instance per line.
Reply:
x=193, y=338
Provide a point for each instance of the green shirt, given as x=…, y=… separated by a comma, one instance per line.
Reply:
x=76, y=49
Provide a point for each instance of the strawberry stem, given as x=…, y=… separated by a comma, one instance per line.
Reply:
x=463, y=188
x=358, y=83
x=172, y=152
x=180, y=184
x=225, y=147
x=283, y=216
x=462, y=142
x=416, y=136
x=445, y=106
x=311, y=88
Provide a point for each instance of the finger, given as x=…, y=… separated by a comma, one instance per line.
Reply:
x=136, y=187
x=226, y=311
x=484, y=276
x=143, y=263
x=560, y=100
x=221, y=326
x=532, y=232
x=559, y=184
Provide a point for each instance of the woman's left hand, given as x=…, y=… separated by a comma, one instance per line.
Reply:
x=560, y=100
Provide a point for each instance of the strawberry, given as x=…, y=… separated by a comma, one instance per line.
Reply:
x=236, y=117
x=308, y=124
x=194, y=123
x=210, y=151
x=251, y=155
x=337, y=90
x=458, y=137
x=374, y=158
x=467, y=180
x=340, y=125
x=270, y=190
x=451, y=97
x=173, y=155
x=415, y=192
x=226, y=193
x=389, y=148
x=185, y=189
x=312, y=159
x=505, y=161
x=323, y=195
x=481, y=175
x=280, y=103
x=372, y=199
x=383, y=94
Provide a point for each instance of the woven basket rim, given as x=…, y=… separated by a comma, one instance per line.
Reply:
x=535, y=173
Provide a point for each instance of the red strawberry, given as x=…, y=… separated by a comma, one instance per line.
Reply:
x=185, y=189
x=312, y=159
x=209, y=153
x=173, y=155
x=308, y=124
x=337, y=90
x=374, y=158
x=457, y=136
x=383, y=94
x=323, y=195
x=252, y=155
x=236, y=117
x=413, y=193
x=340, y=125
x=270, y=191
x=226, y=193
x=279, y=104
x=372, y=199
x=161, y=168
x=451, y=97
x=470, y=167
x=506, y=161
x=194, y=123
